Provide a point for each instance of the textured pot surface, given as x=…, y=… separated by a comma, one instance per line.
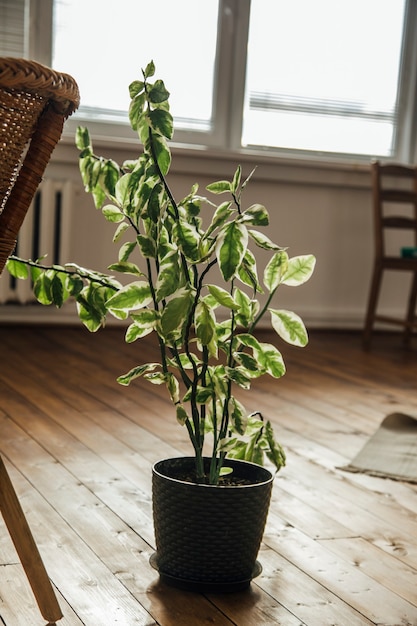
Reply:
x=206, y=533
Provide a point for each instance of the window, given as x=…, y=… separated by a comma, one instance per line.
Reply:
x=114, y=45
x=12, y=28
x=300, y=77
x=323, y=75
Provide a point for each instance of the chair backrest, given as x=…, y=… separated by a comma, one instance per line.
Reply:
x=34, y=103
x=394, y=190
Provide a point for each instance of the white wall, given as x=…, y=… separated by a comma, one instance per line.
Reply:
x=322, y=208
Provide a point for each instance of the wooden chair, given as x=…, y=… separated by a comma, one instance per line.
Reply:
x=394, y=190
x=34, y=104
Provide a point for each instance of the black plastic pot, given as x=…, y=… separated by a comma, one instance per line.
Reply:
x=208, y=537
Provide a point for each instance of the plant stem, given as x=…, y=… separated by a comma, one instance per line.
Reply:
x=79, y=271
x=262, y=312
x=171, y=199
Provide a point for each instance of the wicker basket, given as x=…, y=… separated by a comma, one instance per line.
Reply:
x=208, y=537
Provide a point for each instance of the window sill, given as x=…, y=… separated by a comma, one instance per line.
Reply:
x=323, y=170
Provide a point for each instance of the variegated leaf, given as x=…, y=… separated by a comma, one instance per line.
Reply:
x=299, y=270
x=231, y=248
x=289, y=327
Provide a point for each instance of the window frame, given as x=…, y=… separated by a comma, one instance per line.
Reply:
x=229, y=87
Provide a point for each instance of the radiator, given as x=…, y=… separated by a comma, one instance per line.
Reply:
x=45, y=230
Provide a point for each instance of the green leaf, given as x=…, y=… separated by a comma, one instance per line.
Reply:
x=300, y=269
x=82, y=138
x=145, y=317
x=184, y=360
x=126, y=250
x=75, y=285
x=173, y=387
x=205, y=323
x=235, y=449
x=244, y=315
x=203, y=395
x=136, y=331
x=168, y=276
x=248, y=273
x=158, y=93
x=175, y=314
x=136, y=87
x=17, y=268
x=276, y=267
x=162, y=152
x=262, y=241
x=248, y=178
x=147, y=246
x=156, y=378
x=85, y=165
x=249, y=362
x=91, y=306
x=231, y=249
x=188, y=240
x=143, y=129
x=268, y=356
x=35, y=272
x=223, y=297
x=257, y=215
x=222, y=186
x=162, y=123
x=182, y=416
x=144, y=323
x=238, y=416
x=123, y=227
x=275, y=452
x=124, y=190
x=136, y=295
x=149, y=70
x=110, y=174
x=112, y=214
x=271, y=359
x=89, y=316
x=289, y=327
x=225, y=471
x=250, y=341
x=136, y=109
x=236, y=179
x=238, y=376
x=126, y=268
x=99, y=196
x=221, y=214
x=42, y=289
x=155, y=202
x=57, y=289
x=136, y=372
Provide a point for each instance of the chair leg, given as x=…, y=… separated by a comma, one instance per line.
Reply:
x=411, y=311
x=26, y=549
x=372, y=304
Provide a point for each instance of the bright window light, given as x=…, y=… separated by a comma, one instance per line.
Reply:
x=323, y=75
x=105, y=45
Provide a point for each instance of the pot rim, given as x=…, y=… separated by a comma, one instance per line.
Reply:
x=269, y=477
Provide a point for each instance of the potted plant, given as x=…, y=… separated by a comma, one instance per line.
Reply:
x=205, y=329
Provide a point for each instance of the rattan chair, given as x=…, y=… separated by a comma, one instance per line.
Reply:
x=34, y=104
x=394, y=192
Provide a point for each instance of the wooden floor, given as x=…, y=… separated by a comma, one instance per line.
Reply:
x=339, y=548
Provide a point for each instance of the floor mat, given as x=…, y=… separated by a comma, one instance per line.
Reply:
x=391, y=452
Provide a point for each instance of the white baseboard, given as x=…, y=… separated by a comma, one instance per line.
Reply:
x=67, y=315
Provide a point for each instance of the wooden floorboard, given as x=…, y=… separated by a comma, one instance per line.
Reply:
x=340, y=549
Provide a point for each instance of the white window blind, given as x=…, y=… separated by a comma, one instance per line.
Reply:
x=316, y=77
x=12, y=28
x=323, y=75
x=105, y=47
